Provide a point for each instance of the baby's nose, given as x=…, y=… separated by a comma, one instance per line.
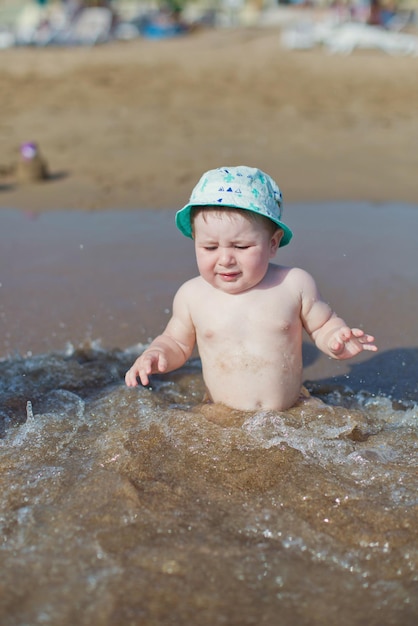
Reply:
x=226, y=257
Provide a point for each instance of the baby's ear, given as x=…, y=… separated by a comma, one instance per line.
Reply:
x=275, y=240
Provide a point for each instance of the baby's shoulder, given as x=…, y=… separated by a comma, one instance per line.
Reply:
x=291, y=276
x=191, y=288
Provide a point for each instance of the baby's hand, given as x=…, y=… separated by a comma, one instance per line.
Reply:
x=150, y=362
x=347, y=342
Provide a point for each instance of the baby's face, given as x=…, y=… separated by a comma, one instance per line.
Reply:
x=232, y=252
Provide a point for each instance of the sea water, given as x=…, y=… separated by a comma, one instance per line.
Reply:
x=144, y=506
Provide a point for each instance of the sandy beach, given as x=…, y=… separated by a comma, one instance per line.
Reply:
x=133, y=124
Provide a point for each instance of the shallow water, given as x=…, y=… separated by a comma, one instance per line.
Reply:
x=143, y=506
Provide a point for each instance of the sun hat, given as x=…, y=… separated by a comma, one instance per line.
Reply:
x=238, y=187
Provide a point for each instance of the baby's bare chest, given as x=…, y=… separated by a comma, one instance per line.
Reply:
x=246, y=320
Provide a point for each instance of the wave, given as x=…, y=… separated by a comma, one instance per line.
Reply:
x=146, y=506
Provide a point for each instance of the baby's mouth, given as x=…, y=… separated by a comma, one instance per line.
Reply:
x=229, y=276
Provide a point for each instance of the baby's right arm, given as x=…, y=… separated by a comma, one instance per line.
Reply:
x=330, y=332
x=163, y=355
x=170, y=350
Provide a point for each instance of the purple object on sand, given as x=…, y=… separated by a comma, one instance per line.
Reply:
x=28, y=150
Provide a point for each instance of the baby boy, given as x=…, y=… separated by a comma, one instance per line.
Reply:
x=245, y=313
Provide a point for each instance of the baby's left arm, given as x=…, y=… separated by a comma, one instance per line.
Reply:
x=342, y=342
x=330, y=333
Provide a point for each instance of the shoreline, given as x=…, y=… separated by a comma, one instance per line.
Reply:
x=79, y=277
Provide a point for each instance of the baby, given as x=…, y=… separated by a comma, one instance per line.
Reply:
x=245, y=313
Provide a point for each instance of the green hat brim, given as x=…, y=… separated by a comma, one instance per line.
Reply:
x=184, y=222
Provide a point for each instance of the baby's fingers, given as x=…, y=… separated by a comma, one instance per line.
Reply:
x=152, y=363
x=162, y=363
x=340, y=338
x=367, y=341
x=131, y=377
x=370, y=346
x=140, y=369
x=148, y=363
x=361, y=335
